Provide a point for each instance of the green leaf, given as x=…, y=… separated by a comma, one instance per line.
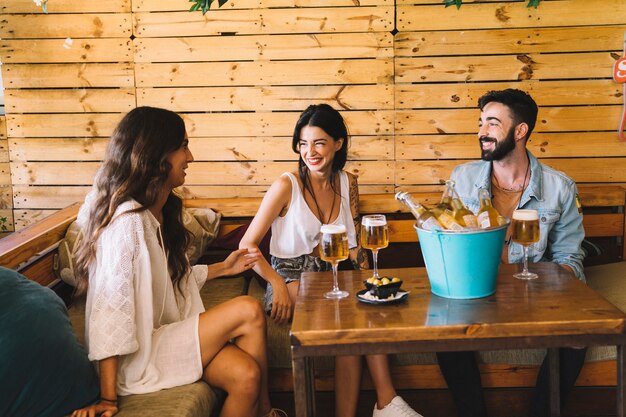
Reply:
x=44, y=7
x=194, y=7
x=222, y=2
x=457, y=3
x=533, y=3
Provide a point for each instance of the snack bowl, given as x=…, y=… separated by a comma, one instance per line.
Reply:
x=384, y=291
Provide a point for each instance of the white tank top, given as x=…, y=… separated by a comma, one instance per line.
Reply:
x=298, y=231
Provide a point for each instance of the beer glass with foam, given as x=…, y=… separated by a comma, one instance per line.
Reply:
x=525, y=225
x=374, y=236
x=333, y=249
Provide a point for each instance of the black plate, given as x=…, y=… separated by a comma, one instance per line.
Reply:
x=400, y=296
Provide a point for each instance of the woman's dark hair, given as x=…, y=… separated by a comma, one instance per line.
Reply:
x=523, y=107
x=331, y=122
x=135, y=167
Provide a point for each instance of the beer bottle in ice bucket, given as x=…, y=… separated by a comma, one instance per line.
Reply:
x=446, y=198
x=424, y=218
x=461, y=214
x=447, y=220
x=487, y=215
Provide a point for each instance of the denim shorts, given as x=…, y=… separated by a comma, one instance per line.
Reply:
x=291, y=269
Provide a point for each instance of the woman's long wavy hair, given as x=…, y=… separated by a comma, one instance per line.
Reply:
x=330, y=121
x=135, y=167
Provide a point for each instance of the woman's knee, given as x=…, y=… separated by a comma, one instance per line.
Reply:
x=245, y=378
x=251, y=310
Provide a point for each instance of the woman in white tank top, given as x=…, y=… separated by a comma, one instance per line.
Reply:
x=295, y=207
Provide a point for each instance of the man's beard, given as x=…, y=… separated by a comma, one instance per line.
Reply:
x=501, y=149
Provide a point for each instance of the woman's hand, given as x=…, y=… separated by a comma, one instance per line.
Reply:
x=241, y=260
x=282, y=307
x=102, y=408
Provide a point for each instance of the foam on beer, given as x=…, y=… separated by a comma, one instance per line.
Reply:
x=525, y=215
x=333, y=228
x=369, y=222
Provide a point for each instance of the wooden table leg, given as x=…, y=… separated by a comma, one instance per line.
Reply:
x=621, y=373
x=554, y=382
x=310, y=390
x=301, y=388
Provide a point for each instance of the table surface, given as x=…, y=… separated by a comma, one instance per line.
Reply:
x=520, y=313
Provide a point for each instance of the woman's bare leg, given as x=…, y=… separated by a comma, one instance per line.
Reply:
x=241, y=319
x=378, y=366
x=237, y=373
x=348, y=371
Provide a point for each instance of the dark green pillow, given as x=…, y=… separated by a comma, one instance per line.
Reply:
x=43, y=370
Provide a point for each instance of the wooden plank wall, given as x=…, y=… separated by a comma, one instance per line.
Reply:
x=405, y=74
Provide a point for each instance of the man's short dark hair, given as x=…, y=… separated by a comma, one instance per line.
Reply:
x=523, y=107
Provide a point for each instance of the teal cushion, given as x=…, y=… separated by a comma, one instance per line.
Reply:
x=44, y=371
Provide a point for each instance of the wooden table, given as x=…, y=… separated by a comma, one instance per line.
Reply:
x=553, y=311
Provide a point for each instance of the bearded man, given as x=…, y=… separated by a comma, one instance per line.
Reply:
x=517, y=180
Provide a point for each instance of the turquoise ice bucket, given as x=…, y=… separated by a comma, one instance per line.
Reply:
x=462, y=264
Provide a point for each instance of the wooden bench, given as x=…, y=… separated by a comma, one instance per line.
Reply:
x=31, y=251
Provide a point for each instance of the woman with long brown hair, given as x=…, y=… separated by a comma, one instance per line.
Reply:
x=145, y=322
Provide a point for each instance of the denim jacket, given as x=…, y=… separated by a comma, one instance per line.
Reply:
x=552, y=194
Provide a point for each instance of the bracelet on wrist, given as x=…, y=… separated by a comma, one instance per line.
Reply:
x=108, y=400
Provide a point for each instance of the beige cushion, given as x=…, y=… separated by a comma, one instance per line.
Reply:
x=193, y=400
x=216, y=291
x=203, y=224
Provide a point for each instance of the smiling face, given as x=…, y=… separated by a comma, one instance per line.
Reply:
x=318, y=148
x=497, y=132
x=179, y=161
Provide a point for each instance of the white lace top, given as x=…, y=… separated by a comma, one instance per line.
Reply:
x=133, y=311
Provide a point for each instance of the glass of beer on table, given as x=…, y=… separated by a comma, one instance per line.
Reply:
x=333, y=249
x=374, y=236
x=525, y=225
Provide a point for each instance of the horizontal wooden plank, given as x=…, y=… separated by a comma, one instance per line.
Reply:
x=550, y=119
x=342, y=97
x=61, y=26
x=20, y=246
x=379, y=123
x=62, y=125
x=5, y=174
x=41, y=270
x=546, y=145
x=198, y=173
x=49, y=197
x=66, y=6
x=265, y=21
x=493, y=375
x=545, y=93
x=58, y=51
x=579, y=169
x=67, y=75
x=31, y=197
x=509, y=41
x=604, y=225
x=265, y=47
x=4, y=151
x=362, y=71
x=510, y=14
x=25, y=218
x=92, y=100
x=181, y=5
x=203, y=149
x=505, y=67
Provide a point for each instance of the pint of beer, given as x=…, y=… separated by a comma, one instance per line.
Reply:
x=374, y=232
x=525, y=227
x=334, y=243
